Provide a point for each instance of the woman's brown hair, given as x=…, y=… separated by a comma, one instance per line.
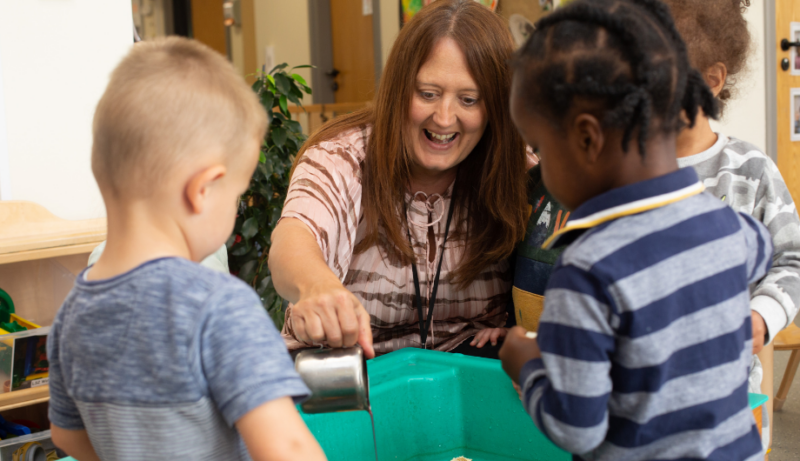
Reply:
x=490, y=189
x=714, y=31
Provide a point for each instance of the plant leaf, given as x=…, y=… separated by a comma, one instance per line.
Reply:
x=279, y=136
x=299, y=78
x=283, y=83
x=267, y=100
x=248, y=270
x=284, y=105
x=304, y=66
x=250, y=228
x=279, y=67
x=294, y=99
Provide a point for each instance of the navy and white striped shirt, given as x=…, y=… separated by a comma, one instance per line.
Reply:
x=646, y=332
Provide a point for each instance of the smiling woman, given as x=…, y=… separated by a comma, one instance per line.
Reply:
x=400, y=218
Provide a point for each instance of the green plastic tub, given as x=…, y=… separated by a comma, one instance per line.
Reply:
x=435, y=406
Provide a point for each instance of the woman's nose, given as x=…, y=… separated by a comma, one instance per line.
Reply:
x=444, y=115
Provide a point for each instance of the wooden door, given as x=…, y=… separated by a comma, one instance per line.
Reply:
x=787, y=26
x=353, y=52
x=207, y=24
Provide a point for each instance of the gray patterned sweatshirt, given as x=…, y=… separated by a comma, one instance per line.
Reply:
x=746, y=179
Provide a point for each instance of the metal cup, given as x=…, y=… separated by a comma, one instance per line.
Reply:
x=337, y=379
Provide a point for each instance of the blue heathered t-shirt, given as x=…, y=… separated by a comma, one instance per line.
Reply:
x=160, y=362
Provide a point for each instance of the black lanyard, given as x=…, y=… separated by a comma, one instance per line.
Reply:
x=424, y=326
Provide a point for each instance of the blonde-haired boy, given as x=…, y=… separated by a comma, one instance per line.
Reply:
x=151, y=355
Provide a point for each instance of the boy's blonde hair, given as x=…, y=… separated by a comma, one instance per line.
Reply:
x=167, y=100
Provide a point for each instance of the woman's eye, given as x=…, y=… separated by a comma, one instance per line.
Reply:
x=427, y=95
x=469, y=101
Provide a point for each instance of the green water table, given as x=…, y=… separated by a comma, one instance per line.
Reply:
x=435, y=406
x=432, y=405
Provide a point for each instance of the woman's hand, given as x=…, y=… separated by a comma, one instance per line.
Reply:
x=489, y=334
x=323, y=310
x=332, y=314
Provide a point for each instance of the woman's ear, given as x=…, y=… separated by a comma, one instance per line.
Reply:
x=198, y=188
x=587, y=133
x=715, y=77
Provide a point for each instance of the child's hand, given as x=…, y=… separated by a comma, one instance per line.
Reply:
x=759, y=331
x=489, y=334
x=518, y=388
x=517, y=350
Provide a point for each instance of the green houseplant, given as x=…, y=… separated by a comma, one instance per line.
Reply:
x=260, y=206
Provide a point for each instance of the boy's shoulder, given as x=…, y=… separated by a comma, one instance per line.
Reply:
x=659, y=230
x=737, y=146
x=733, y=155
x=171, y=284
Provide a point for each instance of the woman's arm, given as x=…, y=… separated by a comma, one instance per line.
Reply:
x=324, y=310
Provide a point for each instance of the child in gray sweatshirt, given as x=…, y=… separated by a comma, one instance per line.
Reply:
x=740, y=174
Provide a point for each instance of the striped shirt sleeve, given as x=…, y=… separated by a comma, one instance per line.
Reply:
x=759, y=248
x=325, y=194
x=569, y=401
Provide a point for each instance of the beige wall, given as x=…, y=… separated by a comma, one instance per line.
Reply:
x=390, y=26
x=284, y=25
x=745, y=116
x=55, y=59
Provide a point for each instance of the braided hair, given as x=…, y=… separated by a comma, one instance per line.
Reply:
x=621, y=60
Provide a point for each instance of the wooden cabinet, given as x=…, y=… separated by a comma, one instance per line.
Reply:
x=40, y=256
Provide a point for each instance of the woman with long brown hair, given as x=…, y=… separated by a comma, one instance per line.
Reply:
x=400, y=217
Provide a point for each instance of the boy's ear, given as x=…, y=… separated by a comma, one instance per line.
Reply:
x=715, y=77
x=199, y=187
x=587, y=133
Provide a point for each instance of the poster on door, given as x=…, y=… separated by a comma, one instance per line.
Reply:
x=794, y=36
x=795, y=118
x=412, y=7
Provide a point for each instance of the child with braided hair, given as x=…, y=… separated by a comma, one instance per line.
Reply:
x=645, y=341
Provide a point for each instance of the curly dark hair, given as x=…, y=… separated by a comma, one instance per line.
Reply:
x=621, y=60
x=715, y=31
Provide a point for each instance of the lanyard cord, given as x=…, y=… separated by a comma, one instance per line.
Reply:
x=425, y=326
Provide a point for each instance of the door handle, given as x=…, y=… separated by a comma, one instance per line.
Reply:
x=333, y=73
x=786, y=44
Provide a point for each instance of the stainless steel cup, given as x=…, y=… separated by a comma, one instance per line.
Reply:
x=337, y=379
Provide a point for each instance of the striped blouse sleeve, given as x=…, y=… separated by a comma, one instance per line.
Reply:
x=566, y=392
x=325, y=195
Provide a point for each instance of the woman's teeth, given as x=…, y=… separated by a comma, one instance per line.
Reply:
x=440, y=138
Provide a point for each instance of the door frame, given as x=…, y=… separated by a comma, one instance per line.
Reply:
x=771, y=83
x=320, y=38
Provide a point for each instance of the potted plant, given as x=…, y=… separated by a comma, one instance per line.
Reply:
x=260, y=206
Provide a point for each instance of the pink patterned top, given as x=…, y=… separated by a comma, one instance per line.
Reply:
x=325, y=194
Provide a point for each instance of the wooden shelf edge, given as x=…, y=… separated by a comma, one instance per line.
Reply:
x=6, y=258
x=24, y=398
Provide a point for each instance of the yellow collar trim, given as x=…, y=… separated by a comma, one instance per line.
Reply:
x=627, y=209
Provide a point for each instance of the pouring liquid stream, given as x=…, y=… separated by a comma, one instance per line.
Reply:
x=374, y=439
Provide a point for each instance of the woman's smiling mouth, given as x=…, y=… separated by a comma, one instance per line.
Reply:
x=441, y=139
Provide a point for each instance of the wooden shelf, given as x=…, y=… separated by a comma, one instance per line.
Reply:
x=28, y=232
x=25, y=397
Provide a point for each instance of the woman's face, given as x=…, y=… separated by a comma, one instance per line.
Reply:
x=448, y=114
